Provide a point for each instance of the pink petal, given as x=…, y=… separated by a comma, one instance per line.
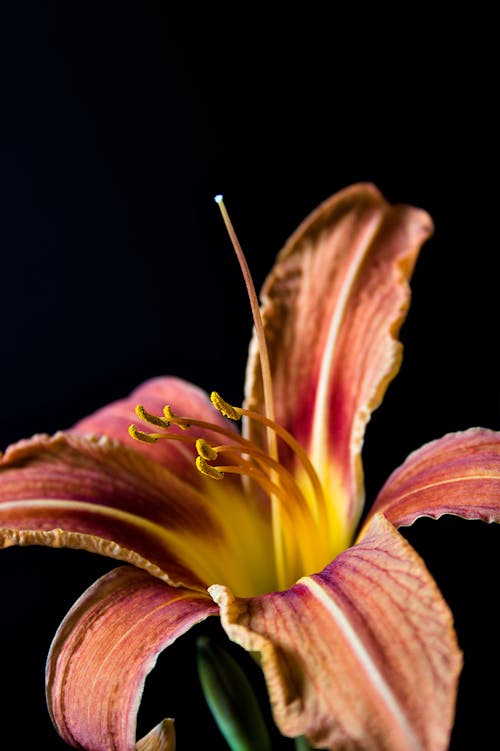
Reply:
x=101, y=530
x=183, y=398
x=105, y=648
x=85, y=468
x=361, y=656
x=96, y=494
x=332, y=309
x=457, y=474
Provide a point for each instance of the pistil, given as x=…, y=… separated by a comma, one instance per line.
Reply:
x=267, y=386
x=294, y=506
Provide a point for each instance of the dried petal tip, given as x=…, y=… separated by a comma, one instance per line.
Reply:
x=160, y=738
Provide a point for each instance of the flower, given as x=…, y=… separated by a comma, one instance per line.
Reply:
x=261, y=528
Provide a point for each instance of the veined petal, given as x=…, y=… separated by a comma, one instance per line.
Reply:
x=184, y=398
x=99, y=470
x=103, y=651
x=362, y=656
x=96, y=494
x=457, y=474
x=332, y=308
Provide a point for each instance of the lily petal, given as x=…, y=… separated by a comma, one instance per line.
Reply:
x=103, y=651
x=96, y=494
x=100, y=530
x=361, y=656
x=457, y=474
x=332, y=308
x=184, y=398
x=98, y=470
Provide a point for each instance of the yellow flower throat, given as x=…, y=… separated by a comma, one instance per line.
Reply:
x=299, y=503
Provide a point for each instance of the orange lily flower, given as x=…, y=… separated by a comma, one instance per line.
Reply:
x=262, y=527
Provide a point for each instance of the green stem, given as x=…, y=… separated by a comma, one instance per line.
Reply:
x=301, y=744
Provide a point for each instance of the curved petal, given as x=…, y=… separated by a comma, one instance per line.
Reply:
x=96, y=494
x=332, y=308
x=109, y=532
x=99, y=470
x=105, y=648
x=361, y=656
x=457, y=474
x=184, y=398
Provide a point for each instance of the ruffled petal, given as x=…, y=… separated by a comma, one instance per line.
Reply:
x=362, y=656
x=457, y=474
x=332, y=308
x=184, y=399
x=109, y=532
x=103, y=651
x=96, y=494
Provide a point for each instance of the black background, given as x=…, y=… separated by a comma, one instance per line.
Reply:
x=118, y=125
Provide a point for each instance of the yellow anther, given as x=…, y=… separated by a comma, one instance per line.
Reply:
x=180, y=421
x=168, y=412
x=142, y=414
x=207, y=469
x=205, y=450
x=138, y=435
x=224, y=407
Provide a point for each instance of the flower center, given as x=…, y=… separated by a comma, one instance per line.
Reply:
x=298, y=493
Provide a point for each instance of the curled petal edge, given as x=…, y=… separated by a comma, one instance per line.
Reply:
x=457, y=474
x=332, y=308
x=104, y=649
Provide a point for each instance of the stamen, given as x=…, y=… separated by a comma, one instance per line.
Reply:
x=138, y=435
x=187, y=422
x=181, y=422
x=228, y=409
x=145, y=416
x=208, y=470
x=320, y=509
x=269, y=469
x=224, y=407
x=288, y=501
x=205, y=450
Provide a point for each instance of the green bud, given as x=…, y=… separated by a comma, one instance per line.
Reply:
x=231, y=699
